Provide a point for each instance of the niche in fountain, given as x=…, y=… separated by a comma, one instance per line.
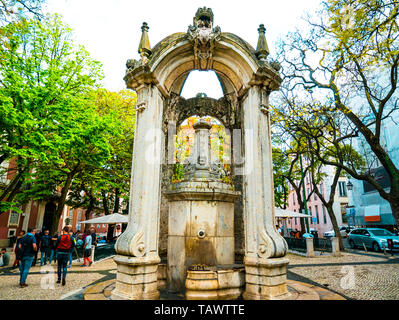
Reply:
x=201, y=213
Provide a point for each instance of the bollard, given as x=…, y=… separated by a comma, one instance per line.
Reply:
x=92, y=252
x=335, y=246
x=309, y=247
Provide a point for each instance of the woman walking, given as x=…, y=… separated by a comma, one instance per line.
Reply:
x=87, y=249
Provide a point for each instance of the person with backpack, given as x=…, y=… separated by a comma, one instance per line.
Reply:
x=26, y=250
x=45, y=247
x=64, y=246
x=74, y=248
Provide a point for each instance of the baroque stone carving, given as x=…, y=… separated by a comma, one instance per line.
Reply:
x=203, y=36
x=138, y=247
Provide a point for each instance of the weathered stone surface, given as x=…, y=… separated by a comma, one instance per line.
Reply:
x=247, y=82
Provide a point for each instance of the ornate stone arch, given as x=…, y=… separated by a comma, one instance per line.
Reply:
x=247, y=78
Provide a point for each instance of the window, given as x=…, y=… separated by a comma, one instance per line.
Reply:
x=315, y=196
x=13, y=218
x=342, y=189
x=293, y=198
x=12, y=232
x=317, y=214
x=324, y=215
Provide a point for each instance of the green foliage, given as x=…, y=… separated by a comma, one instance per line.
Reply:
x=12, y=10
x=55, y=123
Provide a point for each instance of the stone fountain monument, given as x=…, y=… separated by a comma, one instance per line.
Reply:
x=221, y=240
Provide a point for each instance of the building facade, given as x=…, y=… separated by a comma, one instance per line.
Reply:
x=368, y=208
x=320, y=220
x=39, y=214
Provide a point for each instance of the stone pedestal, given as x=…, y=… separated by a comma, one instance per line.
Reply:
x=265, y=279
x=224, y=284
x=137, y=278
x=201, y=228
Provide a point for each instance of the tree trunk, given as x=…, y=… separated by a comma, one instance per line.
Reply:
x=110, y=232
x=88, y=212
x=116, y=204
x=335, y=227
x=395, y=211
x=105, y=202
x=61, y=203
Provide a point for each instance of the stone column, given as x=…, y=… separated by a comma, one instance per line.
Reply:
x=265, y=248
x=137, y=248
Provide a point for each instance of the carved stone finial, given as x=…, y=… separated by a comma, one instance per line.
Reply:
x=262, y=50
x=203, y=36
x=144, y=46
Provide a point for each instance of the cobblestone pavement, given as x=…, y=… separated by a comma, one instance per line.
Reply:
x=360, y=276
x=41, y=280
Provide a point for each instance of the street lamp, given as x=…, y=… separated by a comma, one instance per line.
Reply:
x=350, y=207
x=349, y=185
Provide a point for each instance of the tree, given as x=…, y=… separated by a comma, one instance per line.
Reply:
x=349, y=61
x=319, y=136
x=11, y=10
x=101, y=188
x=49, y=124
x=281, y=166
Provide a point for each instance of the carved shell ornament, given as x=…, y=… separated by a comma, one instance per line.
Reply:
x=266, y=244
x=138, y=247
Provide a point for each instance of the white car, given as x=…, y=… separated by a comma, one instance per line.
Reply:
x=343, y=230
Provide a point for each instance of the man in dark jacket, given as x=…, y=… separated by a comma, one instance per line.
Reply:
x=28, y=248
x=45, y=247
x=64, y=246
x=38, y=237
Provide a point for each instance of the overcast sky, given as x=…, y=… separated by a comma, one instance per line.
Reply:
x=110, y=30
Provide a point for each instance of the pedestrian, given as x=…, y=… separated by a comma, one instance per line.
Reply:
x=17, y=256
x=93, y=236
x=53, y=248
x=64, y=246
x=45, y=247
x=27, y=248
x=87, y=249
x=38, y=236
x=5, y=258
x=74, y=248
x=79, y=242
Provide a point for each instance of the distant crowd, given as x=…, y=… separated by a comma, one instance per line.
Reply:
x=56, y=248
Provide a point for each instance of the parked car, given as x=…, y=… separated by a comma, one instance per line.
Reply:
x=373, y=238
x=307, y=235
x=343, y=230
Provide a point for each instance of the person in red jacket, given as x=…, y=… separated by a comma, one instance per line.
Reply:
x=64, y=246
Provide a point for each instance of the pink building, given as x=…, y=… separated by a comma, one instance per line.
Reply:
x=320, y=220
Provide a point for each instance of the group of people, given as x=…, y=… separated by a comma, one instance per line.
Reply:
x=59, y=247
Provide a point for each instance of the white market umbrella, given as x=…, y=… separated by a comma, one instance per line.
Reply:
x=108, y=219
x=282, y=213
